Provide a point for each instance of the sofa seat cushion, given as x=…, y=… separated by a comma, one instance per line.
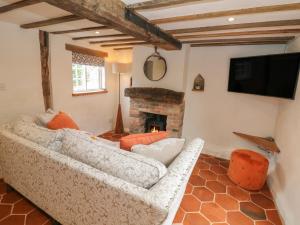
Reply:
x=47, y=138
x=131, y=167
x=127, y=142
x=164, y=150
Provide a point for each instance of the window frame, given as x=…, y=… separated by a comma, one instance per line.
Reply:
x=101, y=79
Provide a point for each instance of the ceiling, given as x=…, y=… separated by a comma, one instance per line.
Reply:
x=42, y=11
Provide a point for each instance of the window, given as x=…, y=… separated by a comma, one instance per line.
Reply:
x=88, y=78
x=88, y=73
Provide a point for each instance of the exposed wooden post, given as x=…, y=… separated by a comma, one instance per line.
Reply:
x=46, y=83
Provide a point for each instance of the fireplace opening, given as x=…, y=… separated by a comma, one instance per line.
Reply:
x=155, y=122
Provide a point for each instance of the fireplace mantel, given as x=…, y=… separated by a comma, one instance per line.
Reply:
x=155, y=94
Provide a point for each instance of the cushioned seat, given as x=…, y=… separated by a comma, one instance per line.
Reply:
x=147, y=138
x=248, y=169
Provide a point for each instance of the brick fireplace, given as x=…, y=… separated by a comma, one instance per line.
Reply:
x=158, y=103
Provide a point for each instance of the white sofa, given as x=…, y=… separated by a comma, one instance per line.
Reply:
x=74, y=193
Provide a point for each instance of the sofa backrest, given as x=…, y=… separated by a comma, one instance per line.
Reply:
x=72, y=192
x=131, y=167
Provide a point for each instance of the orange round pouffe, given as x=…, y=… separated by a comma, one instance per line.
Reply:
x=248, y=169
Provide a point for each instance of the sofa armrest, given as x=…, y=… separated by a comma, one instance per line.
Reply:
x=72, y=192
x=166, y=191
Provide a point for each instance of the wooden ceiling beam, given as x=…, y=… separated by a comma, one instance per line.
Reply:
x=85, y=51
x=228, y=13
x=81, y=30
x=114, y=41
x=100, y=36
x=125, y=48
x=279, y=23
x=17, y=5
x=52, y=21
x=241, y=33
x=125, y=44
x=256, y=39
x=154, y=4
x=239, y=43
x=114, y=13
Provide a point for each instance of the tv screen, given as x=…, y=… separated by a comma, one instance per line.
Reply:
x=271, y=75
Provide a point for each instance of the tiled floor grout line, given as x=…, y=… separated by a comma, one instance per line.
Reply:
x=219, y=168
x=221, y=201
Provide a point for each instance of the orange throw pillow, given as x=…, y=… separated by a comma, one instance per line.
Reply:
x=148, y=138
x=62, y=120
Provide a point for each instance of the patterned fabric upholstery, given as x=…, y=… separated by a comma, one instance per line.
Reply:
x=77, y=194
x=40, y=135
x=131, y=167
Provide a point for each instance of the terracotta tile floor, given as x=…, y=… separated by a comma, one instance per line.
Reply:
x=16, y=210
x=212, y=199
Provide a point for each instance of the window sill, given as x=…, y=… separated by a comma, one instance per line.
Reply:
x=90, y=93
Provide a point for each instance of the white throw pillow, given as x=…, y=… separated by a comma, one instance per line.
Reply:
x=47, y=138
x=46, y=117
x=128, y=166
x=164, y=150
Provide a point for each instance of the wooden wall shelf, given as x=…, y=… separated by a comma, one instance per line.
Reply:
x=263, y=143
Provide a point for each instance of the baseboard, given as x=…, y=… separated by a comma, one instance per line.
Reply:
x=217, y=151
x=279, y=205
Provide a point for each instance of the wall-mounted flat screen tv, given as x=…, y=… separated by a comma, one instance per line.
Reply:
x=270, y=75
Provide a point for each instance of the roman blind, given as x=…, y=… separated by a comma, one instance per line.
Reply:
x=83, y=59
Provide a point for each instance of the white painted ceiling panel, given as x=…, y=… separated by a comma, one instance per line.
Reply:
x=44, y=11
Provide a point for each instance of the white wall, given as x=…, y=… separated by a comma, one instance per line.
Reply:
x=94, y=113
x=285, y=182
x=125, y=56
x=175, y=62
x=20, y=72
x=215, y=113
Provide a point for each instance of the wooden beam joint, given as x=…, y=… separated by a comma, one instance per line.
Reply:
x=131, y=16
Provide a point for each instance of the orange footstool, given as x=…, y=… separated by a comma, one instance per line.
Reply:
x=248, y=169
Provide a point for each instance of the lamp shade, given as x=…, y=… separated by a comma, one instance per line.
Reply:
x=121, y=67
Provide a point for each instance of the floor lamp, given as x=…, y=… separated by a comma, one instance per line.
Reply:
x=119, y=68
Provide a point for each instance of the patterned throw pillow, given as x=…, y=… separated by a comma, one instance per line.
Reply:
x=165, y=150
x=40, y=135
x=131, y=167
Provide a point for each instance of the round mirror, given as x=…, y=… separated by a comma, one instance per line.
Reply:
x=155, y=67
